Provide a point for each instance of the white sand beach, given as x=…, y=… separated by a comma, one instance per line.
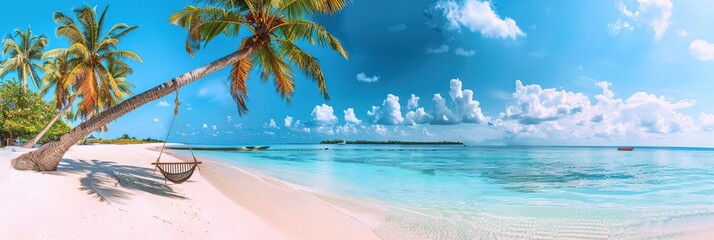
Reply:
x=111, y=192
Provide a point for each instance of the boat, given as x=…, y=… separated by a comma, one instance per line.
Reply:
x=625, y=148
x=342, y=143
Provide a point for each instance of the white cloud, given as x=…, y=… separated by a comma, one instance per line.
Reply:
x=163, y=104
x=617, y=27
x=323, y=115
x=288, y=121
x=467, y=108
x=533, y=105
x=271, y=124
x=413, y=102
x=379, y=129
x=549, y=113
x=205, y=125
x=362, y=77
x=654, y=13
x=441, y=49
x=701, y=50
x=418, y=116
x=214, y=127
x=216, y=91
x=397, y=27
x=682, y=33
x=389, y=113
x=229, y=118
x=350, y=116
x=347, y=129
x=441, y=114
x=479, y=16
x=156, y=120
x=464, y=52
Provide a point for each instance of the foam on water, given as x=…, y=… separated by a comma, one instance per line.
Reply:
x=447, y=192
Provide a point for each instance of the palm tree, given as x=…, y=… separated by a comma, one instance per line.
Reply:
x=57, y=79
x=275, y=28
x=91, y=54
x=91, y=65
x=25, y=51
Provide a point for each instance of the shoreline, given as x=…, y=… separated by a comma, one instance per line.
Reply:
x=284, y=214
x=114, y=185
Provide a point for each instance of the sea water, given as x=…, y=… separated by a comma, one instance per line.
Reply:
x=464, y=192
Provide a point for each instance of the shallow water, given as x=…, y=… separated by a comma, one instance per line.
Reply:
x=456, y=192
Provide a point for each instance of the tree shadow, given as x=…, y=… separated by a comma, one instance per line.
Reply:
x=113, y=183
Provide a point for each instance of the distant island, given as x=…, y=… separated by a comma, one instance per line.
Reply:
x=339, y=141
x=124, y=139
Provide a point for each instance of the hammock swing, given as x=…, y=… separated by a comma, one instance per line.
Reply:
x=176, y=172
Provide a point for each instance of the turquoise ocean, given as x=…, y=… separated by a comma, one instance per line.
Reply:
x=467, y=192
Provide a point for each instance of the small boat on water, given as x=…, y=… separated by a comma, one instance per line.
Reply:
x=625, y=148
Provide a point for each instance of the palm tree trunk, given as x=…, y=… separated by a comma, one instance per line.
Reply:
x=47, y=157
x=32, y=142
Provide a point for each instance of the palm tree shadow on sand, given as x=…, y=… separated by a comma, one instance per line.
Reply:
x=113, y=183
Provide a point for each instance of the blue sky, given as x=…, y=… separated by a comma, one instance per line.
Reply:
x=633, y=72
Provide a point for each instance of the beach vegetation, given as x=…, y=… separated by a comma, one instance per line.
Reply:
x=92, y=70
x=274, y=31
x=22, y=114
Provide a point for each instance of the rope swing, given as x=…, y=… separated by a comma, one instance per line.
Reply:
x=176, y=172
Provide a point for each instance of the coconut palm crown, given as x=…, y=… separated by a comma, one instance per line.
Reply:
x=24, y=51
x=90, y=55
x=275, y=27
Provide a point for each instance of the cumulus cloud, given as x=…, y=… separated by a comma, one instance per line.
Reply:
x=379, y=129
x=323, y=115
x=214, y=127
x=654, y=13
x=701, y=50
x=441, y=49
x=389, y=113
x=229, y=118
x=163, y=104
x=479, y=16
x=464, y=52
x=205, y=125
x=418, y=116
x=350, y=116
x=413, y=102
x=707, y=121
x=467, y=108
x=441, y=114
x=533, y=105
x=362, y=77
x=549, y=113
x=288, y=121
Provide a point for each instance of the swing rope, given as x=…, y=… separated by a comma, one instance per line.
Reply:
x=176, y=172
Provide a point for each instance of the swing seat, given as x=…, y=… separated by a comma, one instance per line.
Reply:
x=176, y=172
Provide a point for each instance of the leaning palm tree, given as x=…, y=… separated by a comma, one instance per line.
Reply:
x=90, y=65
x=25, y=51
x=275, y=28
x=57, y=80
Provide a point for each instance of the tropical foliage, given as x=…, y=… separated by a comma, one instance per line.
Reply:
x=275, y=29
x=96, y=66
x=24, y=51
x=23, y=114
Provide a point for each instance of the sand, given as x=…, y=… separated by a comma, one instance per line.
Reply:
x=111, y=192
